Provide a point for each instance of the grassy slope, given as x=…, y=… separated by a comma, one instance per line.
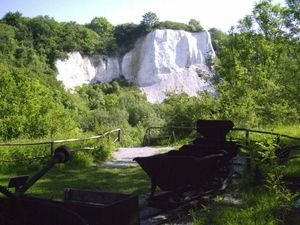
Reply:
x=121, y=180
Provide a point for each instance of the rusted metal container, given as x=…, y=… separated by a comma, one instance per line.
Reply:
x=80, y=207
x=102, y=208
x=214, y=129
x=204, y=163
x=35, y=211
x=172, y=171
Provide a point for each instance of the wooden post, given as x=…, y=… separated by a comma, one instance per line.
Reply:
x=119, y=135
x=247, y=137
x=52, y=148
x=248, y=159
x=278, y=139
x=173, y=135
x=149, y=136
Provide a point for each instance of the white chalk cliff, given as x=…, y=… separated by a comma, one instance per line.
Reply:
x=163, y=61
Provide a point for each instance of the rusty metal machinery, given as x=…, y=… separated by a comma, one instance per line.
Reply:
x=79, y=207
x=201, y=167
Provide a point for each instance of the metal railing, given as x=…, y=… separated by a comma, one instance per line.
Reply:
x=172, y=134
x=53, y=142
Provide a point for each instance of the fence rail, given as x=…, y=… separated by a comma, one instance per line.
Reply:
x=53, y=142
x=172, y=129
x=148, y=135
x=278, y=135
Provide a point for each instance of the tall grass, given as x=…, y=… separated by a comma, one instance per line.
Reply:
x=259, y=207
x=267, y=201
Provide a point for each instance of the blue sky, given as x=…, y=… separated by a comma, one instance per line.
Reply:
x=221, y=14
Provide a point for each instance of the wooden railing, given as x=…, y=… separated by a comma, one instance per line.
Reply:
x=278, y=135
x=52, y=143
x=172, y=134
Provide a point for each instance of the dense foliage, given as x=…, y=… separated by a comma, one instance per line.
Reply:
x=116, y=104
x=257, y=72
x=258, y=68
x=257, y=76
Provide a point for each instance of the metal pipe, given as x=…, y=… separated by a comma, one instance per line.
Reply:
x=61, y=155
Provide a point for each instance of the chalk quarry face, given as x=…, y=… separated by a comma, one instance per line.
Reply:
x=161, y=62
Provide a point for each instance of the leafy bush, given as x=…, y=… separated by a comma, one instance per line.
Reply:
x=126, y=35
x=21, y=159
x=81, y=159
x=173, y=25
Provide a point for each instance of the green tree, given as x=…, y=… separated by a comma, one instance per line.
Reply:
x=45, y=32
x=173, y=25
x=256, y=68
x=100, y=25
x=12, y=19
x=126, y=35
x=292, y=20
x=28, y=108
x=104, y=29
x=270, y=18
x=8, y=43
x=150, y=21
x=246, y=24
x=217, y=38
x=195, y=26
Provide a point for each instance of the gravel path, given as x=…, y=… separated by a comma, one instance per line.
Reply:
x=123, y=157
